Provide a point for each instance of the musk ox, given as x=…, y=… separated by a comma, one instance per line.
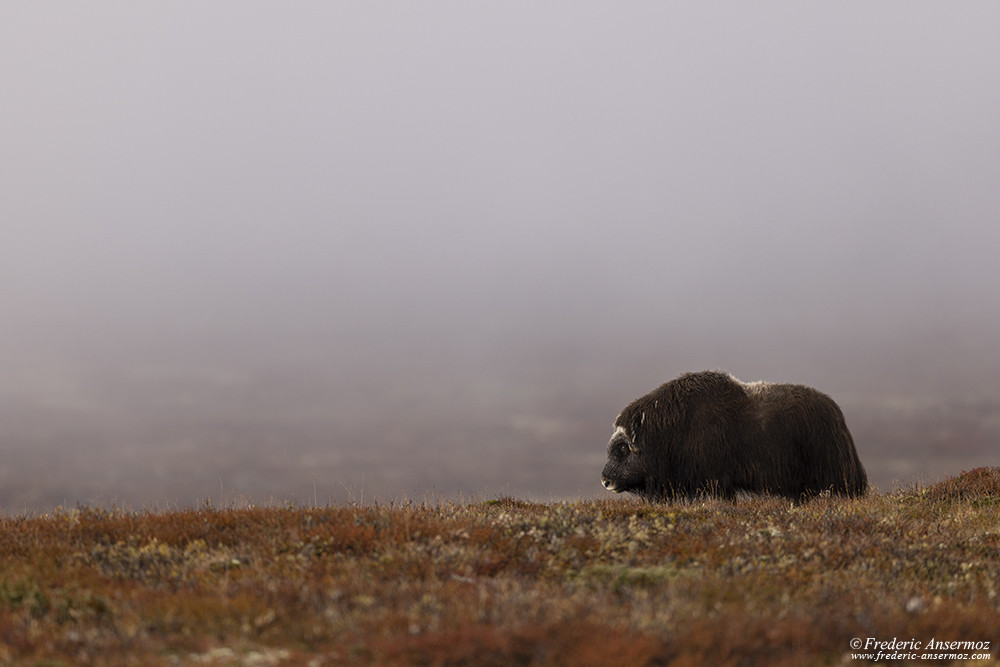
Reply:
x=710, y=433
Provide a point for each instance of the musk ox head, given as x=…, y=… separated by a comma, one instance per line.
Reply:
x=710, y=433
x=623, y=471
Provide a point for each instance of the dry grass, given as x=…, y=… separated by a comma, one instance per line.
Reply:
x=759, y=581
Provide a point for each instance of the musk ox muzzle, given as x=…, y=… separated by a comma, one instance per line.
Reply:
x=711, y=433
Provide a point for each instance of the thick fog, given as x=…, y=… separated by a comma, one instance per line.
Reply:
x=332, y=252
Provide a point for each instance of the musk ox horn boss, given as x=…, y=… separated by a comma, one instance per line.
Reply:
x=710, y=433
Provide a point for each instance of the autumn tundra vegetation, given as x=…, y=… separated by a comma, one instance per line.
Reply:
x=757, y=580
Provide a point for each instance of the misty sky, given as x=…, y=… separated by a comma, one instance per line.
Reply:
x=363, y=165
x=634, y=173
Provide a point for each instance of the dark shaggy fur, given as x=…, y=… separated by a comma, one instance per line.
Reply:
x=710, y=433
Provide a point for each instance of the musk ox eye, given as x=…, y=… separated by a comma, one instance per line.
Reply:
x=623, y=447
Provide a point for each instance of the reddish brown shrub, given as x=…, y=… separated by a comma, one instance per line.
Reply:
x=976, y=483
x=561, y=643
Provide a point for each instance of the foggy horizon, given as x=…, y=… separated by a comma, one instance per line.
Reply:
x=436, y=248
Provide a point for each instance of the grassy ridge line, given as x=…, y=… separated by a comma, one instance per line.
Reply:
x=760, y=581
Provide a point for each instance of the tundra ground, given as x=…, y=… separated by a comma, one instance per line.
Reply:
x=500, y=582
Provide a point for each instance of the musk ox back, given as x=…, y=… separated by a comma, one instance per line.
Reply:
x=710, y=433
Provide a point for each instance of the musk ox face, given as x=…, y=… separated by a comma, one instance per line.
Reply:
x=623, y=471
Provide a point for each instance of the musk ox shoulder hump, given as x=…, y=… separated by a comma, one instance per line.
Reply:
x=755, y=388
